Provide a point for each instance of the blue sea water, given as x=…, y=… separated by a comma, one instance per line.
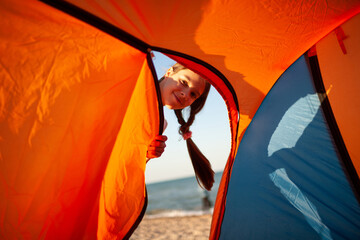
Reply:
x=180, y=197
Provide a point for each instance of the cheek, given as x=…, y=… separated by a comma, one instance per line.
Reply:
x=189, y=102
x=166, y=95
x=168, y=89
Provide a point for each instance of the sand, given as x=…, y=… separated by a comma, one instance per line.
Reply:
x=189, y=227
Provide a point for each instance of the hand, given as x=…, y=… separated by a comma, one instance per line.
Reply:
x=156, y=147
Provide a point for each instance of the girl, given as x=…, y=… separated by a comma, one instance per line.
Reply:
x=180, y=88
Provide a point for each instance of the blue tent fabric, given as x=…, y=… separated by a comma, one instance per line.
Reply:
x=297, y=190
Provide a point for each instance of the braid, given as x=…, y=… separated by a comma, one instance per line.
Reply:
x=202, y=167
x=184, y=125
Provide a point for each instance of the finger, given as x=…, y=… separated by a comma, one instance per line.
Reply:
x=162, y=138
x=158, y=144
x=156, y=149
x=154, y=154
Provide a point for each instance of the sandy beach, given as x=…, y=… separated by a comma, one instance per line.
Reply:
x=189, y=227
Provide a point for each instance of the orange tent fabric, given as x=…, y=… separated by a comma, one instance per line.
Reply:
x=342, y=98
x=123, y=194
x=250, y=43
x=67, y=97
x=68, y=92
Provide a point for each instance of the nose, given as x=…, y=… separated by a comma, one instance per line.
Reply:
x=185, y=95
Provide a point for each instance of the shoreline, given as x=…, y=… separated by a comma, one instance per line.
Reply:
x=186, y=227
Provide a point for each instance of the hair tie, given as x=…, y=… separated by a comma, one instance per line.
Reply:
x=187, y=135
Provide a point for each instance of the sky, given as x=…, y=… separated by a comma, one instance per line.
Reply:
x=210, y=132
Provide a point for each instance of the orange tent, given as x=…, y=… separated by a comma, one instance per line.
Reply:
x=79, y=103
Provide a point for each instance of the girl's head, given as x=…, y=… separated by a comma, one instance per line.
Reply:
x=181, y=88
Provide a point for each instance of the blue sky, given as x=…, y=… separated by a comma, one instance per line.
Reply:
x=211, y=133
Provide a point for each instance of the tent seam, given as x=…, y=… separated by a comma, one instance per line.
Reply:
x=98, y=23
x=344, y=156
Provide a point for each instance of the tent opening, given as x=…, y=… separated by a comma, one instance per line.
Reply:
x=211, y=133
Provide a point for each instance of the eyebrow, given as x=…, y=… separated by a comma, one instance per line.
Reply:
x=187, y=77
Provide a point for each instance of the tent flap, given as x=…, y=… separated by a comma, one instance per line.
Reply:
x=122, y=194
x=65, y=92
x=340, y=75
x=287, y=176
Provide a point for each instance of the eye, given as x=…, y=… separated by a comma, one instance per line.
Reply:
x=183, y=82
x=193, y=95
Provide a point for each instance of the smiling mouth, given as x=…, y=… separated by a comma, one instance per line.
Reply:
x=177, y=99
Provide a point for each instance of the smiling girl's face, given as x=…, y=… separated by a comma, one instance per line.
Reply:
x=180, y=89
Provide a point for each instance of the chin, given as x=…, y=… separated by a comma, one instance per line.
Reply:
x=170, y=107
x=173, y=107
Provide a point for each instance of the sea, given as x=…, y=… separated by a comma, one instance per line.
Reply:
x=180, y=197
